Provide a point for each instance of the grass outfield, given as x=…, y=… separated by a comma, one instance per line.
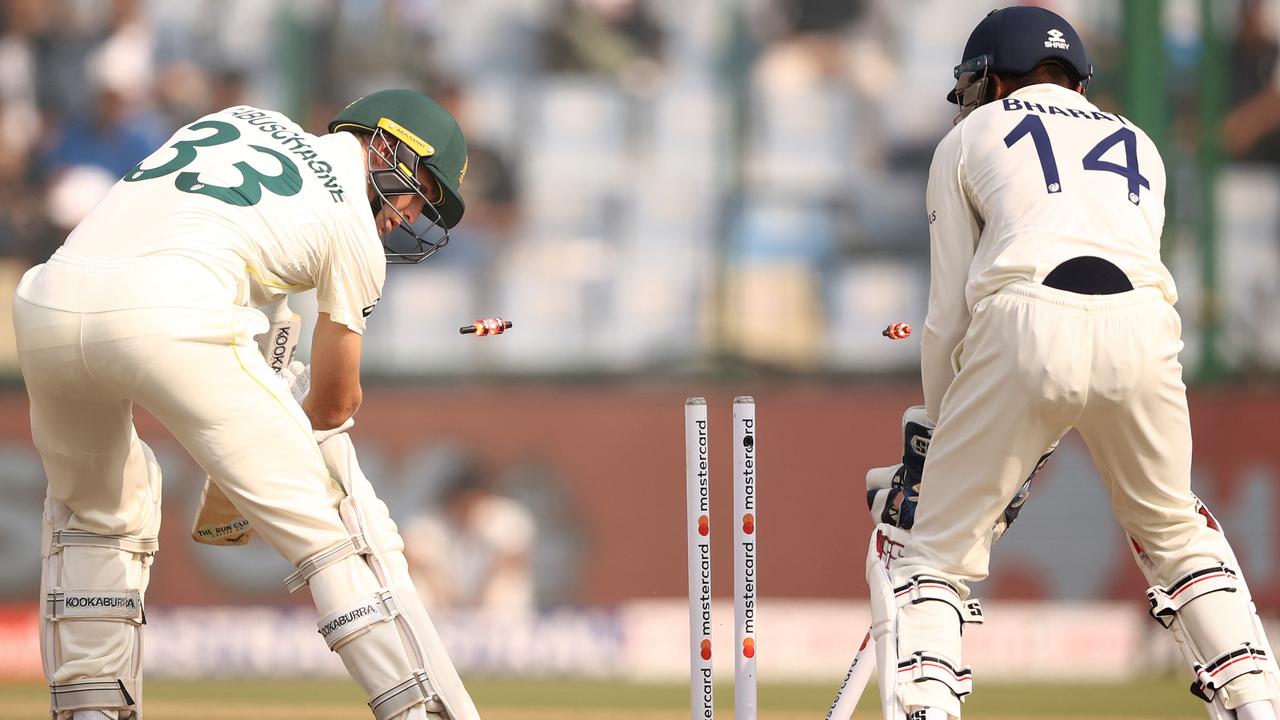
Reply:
x=583, y=700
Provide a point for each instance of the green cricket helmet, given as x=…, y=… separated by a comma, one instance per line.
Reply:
x=419, y=132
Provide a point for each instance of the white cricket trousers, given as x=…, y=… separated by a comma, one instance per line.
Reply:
x=1035, y=363
x=199, y=373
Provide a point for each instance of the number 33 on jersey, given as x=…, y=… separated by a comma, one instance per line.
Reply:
x=248, y=192
x=286, y=182
x=269, y=208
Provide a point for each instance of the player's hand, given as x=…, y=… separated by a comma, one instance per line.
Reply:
x=297, y=377
x=894, y=491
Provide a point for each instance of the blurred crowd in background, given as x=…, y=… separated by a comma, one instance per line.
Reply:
x=654, y=185
x=656, y=188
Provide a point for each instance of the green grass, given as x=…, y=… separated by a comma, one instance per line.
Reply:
x=553, y=698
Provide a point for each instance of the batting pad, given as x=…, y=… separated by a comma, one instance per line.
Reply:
x=886, y=544
x=91, y=621
x=912, y=679
x=371, y=614
x=1211, y=614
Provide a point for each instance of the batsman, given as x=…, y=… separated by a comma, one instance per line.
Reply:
x=153, y=301
x=1049, y=308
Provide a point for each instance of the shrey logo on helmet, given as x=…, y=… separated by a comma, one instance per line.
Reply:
x=1055, y=40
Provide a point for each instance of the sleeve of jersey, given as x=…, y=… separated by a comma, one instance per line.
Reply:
x=351, y=283
x=953, y=239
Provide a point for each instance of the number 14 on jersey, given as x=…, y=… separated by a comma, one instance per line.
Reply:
x=1032, y=125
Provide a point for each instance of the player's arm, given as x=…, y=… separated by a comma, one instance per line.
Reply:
x=953, y=238
x=348, y=286
x=335, y=393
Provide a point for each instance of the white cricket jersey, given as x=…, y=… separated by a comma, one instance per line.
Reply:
x=1021, y=185
x=239, y=207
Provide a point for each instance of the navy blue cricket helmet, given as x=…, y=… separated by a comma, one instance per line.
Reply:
x=1015, y=40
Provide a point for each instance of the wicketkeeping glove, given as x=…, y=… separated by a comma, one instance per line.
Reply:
x=894, y=491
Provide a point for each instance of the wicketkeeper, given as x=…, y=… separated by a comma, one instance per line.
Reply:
x=1049, y=308
x=151, y=301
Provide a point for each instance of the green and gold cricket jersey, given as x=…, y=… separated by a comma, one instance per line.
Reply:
x=240, y=206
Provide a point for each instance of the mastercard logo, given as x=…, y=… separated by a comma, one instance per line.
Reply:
x=704, y=525
x=706, y=650
x=748, y=648
x=748, y=523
